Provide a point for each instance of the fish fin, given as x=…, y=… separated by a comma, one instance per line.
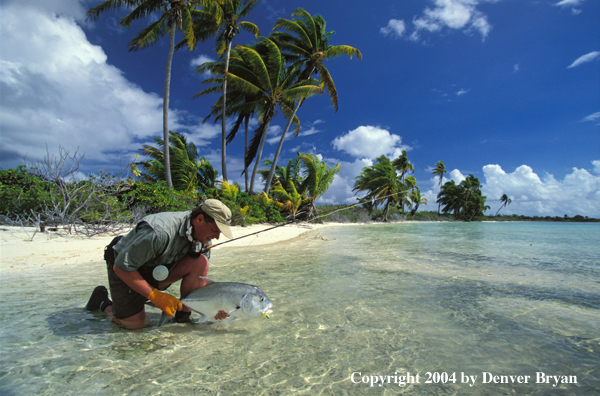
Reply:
x=207, y=280
x=203, y=318
x=163, y=319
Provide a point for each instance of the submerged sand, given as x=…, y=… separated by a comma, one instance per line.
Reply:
x=22, y=249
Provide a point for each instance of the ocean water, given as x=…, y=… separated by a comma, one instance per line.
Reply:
x=414, y=308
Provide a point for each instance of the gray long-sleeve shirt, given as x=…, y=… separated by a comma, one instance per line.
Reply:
x=158, y=239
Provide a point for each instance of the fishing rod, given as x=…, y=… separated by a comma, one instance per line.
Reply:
x=292, y=222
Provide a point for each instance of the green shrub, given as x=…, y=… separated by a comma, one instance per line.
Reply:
x=21, y=192
x=257, y=212
x=157, y=197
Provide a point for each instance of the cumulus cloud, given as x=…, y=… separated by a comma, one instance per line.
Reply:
x=577, y=193
x=370, y=142
x=584, y=59
x=199, y=60
x=62, y=91
x=340, y=191
x=532, y=194
x=452, y=14
x=395, y=28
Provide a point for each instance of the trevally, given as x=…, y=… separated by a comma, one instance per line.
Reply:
x=239, y=300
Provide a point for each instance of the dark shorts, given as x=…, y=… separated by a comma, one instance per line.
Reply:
x=126, y=302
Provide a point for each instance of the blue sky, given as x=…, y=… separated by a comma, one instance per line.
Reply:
x=508, y=90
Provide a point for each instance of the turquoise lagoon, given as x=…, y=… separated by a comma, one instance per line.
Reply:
x=422, y=308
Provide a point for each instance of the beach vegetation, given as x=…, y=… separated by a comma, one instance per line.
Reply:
x=22, y=192
x=464, y=200
x=289, y=199
x=157, y=197
x=385, y=185
x=189, y=172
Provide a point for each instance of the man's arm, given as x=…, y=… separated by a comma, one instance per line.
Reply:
x=134, y=280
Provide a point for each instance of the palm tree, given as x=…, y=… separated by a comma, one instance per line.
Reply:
x=262, y=76
x=439, y=171
x=465, y=199
x=234, y=104
x=471, y=191
x=174, y=15
x=403, y=165
x=416, y=199
x=305, y=44
x=317, y=178
x=382, y=183
x=207, y=178
x=451, y=197
x=477, y=204
x=291, y=173
x=231, y=12
x=505, y=201
x=185, y=164
x=289, y=199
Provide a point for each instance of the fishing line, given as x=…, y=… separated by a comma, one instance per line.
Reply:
x=293, y=222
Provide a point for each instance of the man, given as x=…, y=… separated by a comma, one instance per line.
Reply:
x=171, y=239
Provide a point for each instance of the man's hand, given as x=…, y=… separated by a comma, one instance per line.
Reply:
x=166, y=302
x=221, y=315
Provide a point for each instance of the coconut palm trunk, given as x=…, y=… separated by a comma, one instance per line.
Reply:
x=274, y=165
x=223, y=118
x=247, y=123
x=166, y=104
x=258, y=155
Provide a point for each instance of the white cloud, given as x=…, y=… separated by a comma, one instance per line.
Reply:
x=584, y=59
x=340, y=190
x=61, y=91
x=370, y=142
x=199, y=60
x=394, y=27
x=462, y=92
x=569, y=3
x=577, y=193
x=593, y=117
x=453, y=14
x=71, y=8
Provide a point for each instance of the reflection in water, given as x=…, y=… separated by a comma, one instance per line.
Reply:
x=508, y=299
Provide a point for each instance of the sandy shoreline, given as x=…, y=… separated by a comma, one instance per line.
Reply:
x=18, y=252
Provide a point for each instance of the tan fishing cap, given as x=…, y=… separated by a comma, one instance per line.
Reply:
x=221, y=213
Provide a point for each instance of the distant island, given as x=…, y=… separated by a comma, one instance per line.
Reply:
x=356, y=214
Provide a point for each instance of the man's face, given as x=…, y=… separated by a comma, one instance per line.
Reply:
x=204, y=231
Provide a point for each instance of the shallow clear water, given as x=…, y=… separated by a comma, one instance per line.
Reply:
x=500, y=298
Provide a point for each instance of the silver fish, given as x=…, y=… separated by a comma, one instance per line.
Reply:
x=239, y=300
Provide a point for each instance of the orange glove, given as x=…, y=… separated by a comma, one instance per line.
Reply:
x=166, y=302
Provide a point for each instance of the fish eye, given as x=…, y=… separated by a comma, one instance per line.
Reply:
x=262, y=299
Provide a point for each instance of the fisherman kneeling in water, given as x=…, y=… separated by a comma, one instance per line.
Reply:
x=171, y=239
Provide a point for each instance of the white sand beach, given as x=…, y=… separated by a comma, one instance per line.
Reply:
x=20, y=252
